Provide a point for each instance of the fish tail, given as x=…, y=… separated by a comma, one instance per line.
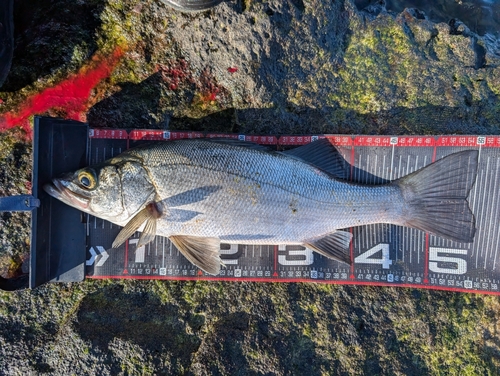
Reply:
x=436, y=197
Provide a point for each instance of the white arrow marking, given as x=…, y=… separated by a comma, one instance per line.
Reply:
x=91, y=260
x=104, y=256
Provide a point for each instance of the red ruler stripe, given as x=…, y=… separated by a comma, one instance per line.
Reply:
x=297, y=140
x=115, y=134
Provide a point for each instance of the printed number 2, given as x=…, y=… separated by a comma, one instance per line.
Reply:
x=434, y=258
x=385, y=260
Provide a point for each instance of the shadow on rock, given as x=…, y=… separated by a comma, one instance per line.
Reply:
x=475, y=118
x=45, y=37
x=135, y=105
x=137, y=318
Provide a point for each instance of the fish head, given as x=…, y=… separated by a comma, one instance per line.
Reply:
x=114, y=190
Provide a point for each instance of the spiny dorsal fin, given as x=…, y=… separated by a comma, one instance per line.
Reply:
x=202, y=252
x=335, y=246
x=323, y=155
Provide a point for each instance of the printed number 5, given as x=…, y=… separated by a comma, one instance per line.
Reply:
x=434, y=258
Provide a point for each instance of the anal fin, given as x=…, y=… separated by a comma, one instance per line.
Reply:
x=334, y=246
x=202, y=252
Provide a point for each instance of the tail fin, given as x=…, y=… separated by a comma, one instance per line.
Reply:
x=436, y=196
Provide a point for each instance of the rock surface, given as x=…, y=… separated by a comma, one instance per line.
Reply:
x=262, y=67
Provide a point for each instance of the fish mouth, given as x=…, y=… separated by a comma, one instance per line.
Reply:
x=60, y=191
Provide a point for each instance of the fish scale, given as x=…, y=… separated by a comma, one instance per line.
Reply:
x=284, y=200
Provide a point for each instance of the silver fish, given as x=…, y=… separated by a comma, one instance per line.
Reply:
x=199, y=193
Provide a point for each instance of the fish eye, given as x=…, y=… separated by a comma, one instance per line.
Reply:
x=87, y=179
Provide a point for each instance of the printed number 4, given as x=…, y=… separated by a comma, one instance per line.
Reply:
x=385, y=260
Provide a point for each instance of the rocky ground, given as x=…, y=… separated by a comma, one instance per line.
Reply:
x=248, y=66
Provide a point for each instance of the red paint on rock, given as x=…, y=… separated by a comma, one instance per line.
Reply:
x=175, y=73
x=232, y=69
x=70, y=97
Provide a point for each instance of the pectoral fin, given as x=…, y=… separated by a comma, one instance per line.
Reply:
x=335, y=246
x=202, y=252
x=149, y=232
x=149, y=214
x=132, y=226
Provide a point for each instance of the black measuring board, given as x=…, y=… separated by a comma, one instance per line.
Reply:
x=57, y=232
x=382, y=254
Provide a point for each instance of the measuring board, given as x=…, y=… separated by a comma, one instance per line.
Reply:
x=382, y=254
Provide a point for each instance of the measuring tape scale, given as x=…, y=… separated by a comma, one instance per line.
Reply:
x=382, y=254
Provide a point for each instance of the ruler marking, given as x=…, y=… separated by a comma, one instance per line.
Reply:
x=479, y=211
x=351, y=249
x=496, y=252
x=427, y=236
x=426, y=259
x=126, y=258
x=275, y=273
x=367, y=169
x=484, y=183
x=367, y=236
x=400, y=164
x=495, y=192
x=497, y=223
x=139, y=254
x=391, y=176
x=473, y=208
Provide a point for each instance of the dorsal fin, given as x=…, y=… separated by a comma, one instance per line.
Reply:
x=323, y=155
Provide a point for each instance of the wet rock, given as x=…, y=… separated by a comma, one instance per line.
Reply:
x=253, y=67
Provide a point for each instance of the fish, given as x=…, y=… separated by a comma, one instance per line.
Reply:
x=201, y=192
